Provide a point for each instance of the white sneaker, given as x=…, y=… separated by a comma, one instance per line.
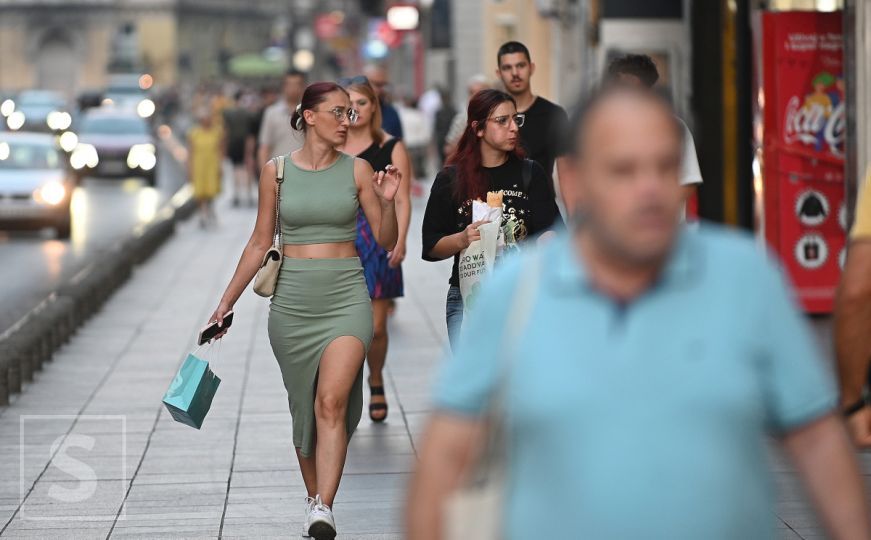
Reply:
x=309, y=505
x=322, y=526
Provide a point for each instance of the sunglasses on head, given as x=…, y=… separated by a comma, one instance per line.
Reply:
x=351, y=81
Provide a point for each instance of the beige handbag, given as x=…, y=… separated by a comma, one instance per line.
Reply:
x=476, y=509
x=267, y=276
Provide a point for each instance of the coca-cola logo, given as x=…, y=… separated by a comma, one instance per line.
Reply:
x=815, y=122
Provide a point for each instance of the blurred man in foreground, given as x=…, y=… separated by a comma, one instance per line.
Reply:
x=620, y=426
x=853, y=322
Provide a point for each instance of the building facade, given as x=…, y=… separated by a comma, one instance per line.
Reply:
x=73, y=45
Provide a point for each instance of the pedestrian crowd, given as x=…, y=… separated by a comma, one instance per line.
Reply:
x=612, y=372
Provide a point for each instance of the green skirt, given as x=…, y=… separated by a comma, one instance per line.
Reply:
x=315, y=302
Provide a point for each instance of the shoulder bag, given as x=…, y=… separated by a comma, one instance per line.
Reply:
x=267, y=276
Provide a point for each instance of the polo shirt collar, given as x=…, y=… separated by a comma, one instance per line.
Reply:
x=568, y=269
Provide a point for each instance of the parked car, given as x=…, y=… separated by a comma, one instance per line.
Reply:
x=35, y=183
x=115, y=143
x=40, y=111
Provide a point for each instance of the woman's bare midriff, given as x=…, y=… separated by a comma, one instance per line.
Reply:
x=333, y=250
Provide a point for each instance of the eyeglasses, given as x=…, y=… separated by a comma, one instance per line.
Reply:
x=341, y=113
x=345, y=82
x=502, y=121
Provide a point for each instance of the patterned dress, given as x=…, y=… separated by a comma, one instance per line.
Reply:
x=383, y=281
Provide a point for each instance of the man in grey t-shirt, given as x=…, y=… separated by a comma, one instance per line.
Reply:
x=276, y=136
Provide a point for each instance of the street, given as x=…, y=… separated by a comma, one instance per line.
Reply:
x=104, y=210
x=609, y=260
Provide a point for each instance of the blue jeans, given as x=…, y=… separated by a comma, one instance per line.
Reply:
x=454, y=315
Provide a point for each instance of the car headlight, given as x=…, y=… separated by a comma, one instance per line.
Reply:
x=145, y=108
x=143, y=156
x=7, y=107
x=52, y=193
x=4, y=151
x=84, y=155
x=69, y=141
x=15, y=120
x=58, y=120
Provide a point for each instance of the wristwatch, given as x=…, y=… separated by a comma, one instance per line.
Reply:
x=859, y=404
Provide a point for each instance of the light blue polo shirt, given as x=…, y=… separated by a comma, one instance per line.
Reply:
x=647, y=420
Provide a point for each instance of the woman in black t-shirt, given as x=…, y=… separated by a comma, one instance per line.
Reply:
x=488, y=158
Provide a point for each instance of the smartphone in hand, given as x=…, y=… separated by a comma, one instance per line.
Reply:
x=210, y=331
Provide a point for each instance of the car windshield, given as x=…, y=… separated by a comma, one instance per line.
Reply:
x=39, y=99
x=113, y=126
x=16, y=155
x=125, y=91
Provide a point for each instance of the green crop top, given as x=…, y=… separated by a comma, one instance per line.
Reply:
x=319, y=207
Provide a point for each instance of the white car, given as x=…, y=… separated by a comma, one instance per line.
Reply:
x=40, y=111
x=35, y=184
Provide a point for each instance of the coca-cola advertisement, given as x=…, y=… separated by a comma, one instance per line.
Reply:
x=803, y=150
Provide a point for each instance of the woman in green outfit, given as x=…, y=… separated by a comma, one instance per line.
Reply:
x=320, y=319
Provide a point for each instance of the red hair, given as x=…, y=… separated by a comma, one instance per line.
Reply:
x=471, y=180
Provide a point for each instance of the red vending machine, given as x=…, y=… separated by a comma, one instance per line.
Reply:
x=804, y=123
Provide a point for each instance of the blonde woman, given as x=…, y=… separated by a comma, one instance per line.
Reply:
x=382, y=269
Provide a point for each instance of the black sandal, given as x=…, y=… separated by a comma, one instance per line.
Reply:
x=377, y=391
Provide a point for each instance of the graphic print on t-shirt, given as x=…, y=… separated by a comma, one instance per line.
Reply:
x=512, y=212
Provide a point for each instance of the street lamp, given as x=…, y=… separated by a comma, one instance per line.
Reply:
x=403, y=17
x=303, y=59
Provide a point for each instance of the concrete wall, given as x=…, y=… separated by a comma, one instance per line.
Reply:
x=467, y=23
x=158, y=45
x=519, y=20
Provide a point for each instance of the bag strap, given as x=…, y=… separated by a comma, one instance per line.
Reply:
x=526, y=174
x=493, y=458
x=210, y=351
x=279, y=178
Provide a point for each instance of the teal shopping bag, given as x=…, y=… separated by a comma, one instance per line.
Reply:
x=190, y=394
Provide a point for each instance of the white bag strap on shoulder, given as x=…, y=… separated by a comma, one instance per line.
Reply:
x=279, y=168
x=525, y=294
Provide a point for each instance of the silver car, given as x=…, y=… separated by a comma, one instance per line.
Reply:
x=114, y=143
x=35, y=184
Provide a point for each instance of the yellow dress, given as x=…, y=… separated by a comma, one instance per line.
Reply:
x=205, y=147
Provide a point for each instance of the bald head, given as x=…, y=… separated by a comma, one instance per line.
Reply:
x=377, y=76
x=610, y=106
x=623, y=177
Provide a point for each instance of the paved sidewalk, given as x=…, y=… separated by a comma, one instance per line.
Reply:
x=144, y=474
x=123, y=467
